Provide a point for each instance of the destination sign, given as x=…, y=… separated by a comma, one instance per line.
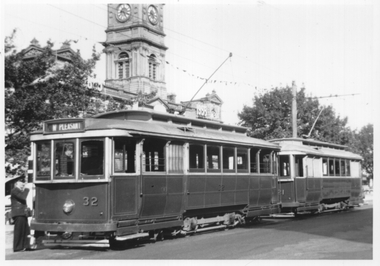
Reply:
x=64, y=126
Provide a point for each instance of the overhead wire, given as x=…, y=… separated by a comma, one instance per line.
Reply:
x=129, y=36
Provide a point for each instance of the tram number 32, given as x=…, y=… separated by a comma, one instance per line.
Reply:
x=90, y=201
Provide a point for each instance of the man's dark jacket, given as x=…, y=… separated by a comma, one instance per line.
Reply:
x=18, y=201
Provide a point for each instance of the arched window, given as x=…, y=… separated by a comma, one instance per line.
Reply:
x=152, y=66
x=123, y=66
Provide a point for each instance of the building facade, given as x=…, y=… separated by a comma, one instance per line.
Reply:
x=135, y=50
x=135, y=61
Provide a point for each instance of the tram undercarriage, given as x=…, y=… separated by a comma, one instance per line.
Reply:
x=191, y=223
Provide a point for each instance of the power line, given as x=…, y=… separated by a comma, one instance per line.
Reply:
x=76, y=15
x=140, y=20
x=332, y=96
x=200, y=41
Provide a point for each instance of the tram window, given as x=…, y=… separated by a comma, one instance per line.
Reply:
x=196, y=157
x=331, y=167
x=299, y=166
x=228, y=159
x=64, y=154
x=242, y=160
x=265, y=161
x=325, y=166
x=213, y=158
x=253, y=153
x=124, y=155
x=337, y=167
x=348, y=168
x=343, y=167
x=284, y=165
x=175, y=153
x=274, y=163
x=43, y=160
x=92, y=158
x=154, y=155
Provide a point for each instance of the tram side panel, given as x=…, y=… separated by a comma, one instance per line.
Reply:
x=63, y=205
x=162, y=195
x=340, y=181
x=208, y=191
x=125, y=197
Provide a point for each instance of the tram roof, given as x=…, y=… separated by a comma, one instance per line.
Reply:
x=314, y=147
x=148, y=123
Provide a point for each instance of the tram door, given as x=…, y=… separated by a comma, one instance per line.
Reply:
x=313, y=183
x=125, y=179
x=300, y=179
x=162, y=179
x=286, y=182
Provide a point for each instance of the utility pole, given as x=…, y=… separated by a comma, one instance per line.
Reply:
x=294, y=109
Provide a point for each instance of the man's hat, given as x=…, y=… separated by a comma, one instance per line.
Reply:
x=21, y=178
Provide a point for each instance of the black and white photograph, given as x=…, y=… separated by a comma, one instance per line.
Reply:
x=182, y=132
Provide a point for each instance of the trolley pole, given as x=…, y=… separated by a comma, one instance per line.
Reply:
x=294, y=109
x=187, y=105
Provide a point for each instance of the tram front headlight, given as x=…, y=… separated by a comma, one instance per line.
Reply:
x=68, y=206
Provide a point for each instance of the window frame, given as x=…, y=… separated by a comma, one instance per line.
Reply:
x=223, y=166
x=152, y=67
x=152, y=156
x=135, y=163
x=245, y=168
x=50, y=156
x=219, y=159
x=82, y=176
x=286, y=166
x=126, y=65
x=74, y=160
x=176, y=165
x=254, y=154
x=263, y=165
x=202, y=158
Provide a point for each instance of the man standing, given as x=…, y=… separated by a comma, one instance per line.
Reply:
x=21, y=232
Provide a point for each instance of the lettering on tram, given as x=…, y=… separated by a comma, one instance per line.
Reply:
x=51, y=127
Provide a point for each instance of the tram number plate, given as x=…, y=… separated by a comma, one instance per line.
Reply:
x=93, y=201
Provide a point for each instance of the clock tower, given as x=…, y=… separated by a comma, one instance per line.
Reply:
x=135, y=50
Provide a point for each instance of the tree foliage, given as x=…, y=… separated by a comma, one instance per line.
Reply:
x=42, y=89
x=271, y=117
x=363, y=145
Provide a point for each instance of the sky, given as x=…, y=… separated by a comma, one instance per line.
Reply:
x=328, y=47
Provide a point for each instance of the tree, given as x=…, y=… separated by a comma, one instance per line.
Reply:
x=363, y=145
x=42, y=89
x=270, y=117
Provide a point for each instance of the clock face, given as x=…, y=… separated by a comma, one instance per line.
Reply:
x=123, y=12
x=152, y=14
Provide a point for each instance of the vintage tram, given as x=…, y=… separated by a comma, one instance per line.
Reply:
x=135, y=173
x=315, y=176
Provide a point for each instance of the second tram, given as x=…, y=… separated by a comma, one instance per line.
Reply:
x=315, y=176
